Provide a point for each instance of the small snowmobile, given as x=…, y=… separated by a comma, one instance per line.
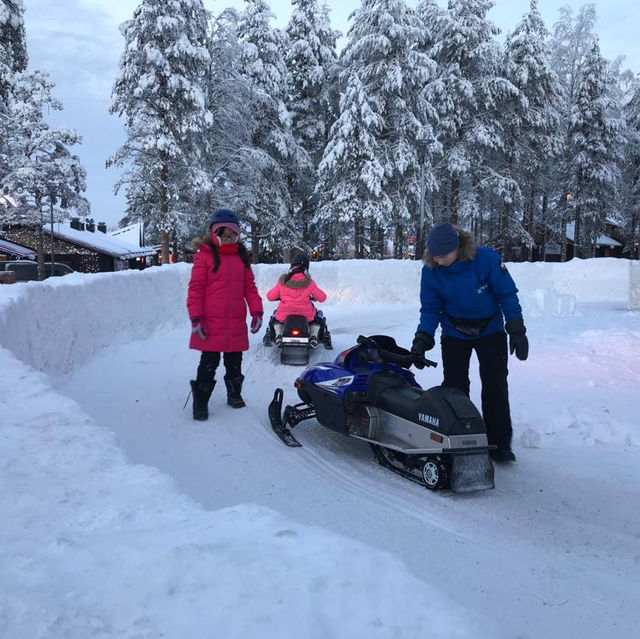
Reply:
x=296, y=340
x=435, y=437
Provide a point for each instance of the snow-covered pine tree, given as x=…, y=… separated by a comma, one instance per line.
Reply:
x=44, y=177
x=311, y=60
x=159, y=91
x=531, y=123
x=268, y=207
x=631, y=181
x=13, y=45
x=227, y=153
x=383, y=61
x=596, y=143
x=13, y=58
x=573, y=37
x=469, y=94
x=351, y=178
x=430, y=14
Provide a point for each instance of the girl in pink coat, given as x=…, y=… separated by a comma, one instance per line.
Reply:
x=221, y=287
x=295, y=291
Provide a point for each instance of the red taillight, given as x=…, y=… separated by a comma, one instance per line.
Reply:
x=295, y=332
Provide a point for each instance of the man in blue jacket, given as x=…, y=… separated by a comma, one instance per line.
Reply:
x=468, y=291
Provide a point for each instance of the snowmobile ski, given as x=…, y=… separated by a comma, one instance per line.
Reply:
x=275, y=417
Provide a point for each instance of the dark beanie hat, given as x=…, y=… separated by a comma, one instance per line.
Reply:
x=442, y=239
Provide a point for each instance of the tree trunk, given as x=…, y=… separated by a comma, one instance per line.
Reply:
x=398, y=243
x=40, y=239
x=504, y=233
x=40, y=252
x=455, y=198
x=164, y=214
x=529, y=224
x=545, y=231
x=255, y=242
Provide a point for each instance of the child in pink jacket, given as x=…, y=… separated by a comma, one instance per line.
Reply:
x=295, y=290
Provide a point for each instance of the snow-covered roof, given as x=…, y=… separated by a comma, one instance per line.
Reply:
x=16, y=249
x=603, y=240
x=6, y=200
x=131, y=234
x=98, y=241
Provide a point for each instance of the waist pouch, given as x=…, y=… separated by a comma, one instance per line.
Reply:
x=471, y=327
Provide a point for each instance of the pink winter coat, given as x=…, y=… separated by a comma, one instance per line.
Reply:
x=218, y=300
x=294, y=296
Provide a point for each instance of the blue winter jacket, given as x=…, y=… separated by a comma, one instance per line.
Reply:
x=479, y=287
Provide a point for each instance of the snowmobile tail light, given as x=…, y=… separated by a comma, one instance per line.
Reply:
x=437, y=438
x=295, y=332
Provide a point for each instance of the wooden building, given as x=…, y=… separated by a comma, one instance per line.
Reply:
x=83, y=246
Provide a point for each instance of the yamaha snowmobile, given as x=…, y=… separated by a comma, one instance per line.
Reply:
x=297, y=338
x=435, y=437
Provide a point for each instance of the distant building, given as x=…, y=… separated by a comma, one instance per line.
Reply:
x=12, y=251
x=84, y=246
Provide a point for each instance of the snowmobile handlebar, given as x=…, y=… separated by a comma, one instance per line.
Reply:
x=420, y=361
x=389, y=351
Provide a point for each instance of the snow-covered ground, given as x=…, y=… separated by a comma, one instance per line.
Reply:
x=124, y=518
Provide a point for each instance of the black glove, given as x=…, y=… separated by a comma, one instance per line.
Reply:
x=422, y=342
x=518, y=341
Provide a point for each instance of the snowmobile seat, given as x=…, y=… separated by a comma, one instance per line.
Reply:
x=389, y=380
x=451, y=410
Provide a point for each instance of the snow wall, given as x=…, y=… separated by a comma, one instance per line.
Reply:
x=62, y=323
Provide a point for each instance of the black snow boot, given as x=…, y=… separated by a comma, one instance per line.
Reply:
x=327, y=340
x=502, y=455
x=234, y=388
x=201, y=394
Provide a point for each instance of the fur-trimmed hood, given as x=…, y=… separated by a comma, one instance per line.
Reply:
x=297, y=280
x=466, y=250
x=197, y=242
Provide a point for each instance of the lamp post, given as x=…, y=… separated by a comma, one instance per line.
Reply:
x=52, y=198
x=422, y=147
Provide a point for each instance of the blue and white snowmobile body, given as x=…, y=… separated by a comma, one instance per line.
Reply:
x=436, y=437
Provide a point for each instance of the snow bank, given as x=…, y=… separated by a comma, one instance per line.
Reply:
x=603, y=279
x=91, y=545
x=62, y=323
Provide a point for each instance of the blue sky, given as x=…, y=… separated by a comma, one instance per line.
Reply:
x=78, y=42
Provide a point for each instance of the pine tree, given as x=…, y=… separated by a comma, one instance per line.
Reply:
x=159, y=91
x=596, y=141
x=43, y=172
x=227, y=151
x=351, y=178
x=469, y=94
x=268, y=207
x=573, y=37
x=13, y=46
x=631, y=182
x=532, y=127
x=311, y=64
x=387, y=72
x=13, y=59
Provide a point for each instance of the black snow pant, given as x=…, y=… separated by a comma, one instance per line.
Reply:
x=210, y=360
x=491, y=351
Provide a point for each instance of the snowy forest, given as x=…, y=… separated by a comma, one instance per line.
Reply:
x=425, y=114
